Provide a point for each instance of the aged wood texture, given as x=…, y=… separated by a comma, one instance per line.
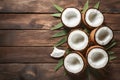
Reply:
x=45, y=71
x=26, y=43
x=45, y=6
x=44, y=21
x=32, y=37
x=34, y=54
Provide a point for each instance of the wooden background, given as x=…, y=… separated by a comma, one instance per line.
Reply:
x=25, y=38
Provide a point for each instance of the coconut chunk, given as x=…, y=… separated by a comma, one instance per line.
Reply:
x=57, y=53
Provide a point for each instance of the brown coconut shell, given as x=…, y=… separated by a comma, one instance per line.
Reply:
x=84, y=60
x=92, y=47
x=83, y=50
x=92, y=36
x=66, y=25
x=84, y=21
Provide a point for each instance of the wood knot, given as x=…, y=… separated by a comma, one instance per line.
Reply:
x=29, y=73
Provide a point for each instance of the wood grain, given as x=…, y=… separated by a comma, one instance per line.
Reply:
x=46, y=6
x=32, y=37
x=26, y=38
x=26, y=43
x=43, y=21
x=34, y=54
x=46, y=72
x=26, y=54
x=27, y=21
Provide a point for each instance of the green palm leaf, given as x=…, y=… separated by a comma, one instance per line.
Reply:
x=59, y=34
x=56, y=15
x=97, y=5
x=59, y=65
x=59, y=25
x=111, y=45
x=86, y=6
x=62, y=41
x=112, y=57
x=60, y=9
x=110, y=52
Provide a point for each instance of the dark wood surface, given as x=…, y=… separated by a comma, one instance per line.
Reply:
x=26, y=43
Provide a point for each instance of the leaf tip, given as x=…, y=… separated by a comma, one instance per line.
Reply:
x=60, y=9
x=51, y=29
x=112, y=57
x=97, y=5
x=86, y=6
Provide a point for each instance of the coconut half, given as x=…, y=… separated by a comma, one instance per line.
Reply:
x=93, y=18
x=74, y=63
x=71, y=17
x=97, y=57
x=57, y=53
x=102, y=35
x=78, y=40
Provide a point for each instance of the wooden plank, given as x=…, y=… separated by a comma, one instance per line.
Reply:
x=27, y=38
x=27, y=21
x=34, y=54
x=44, y=21
x=46, y=6
x=26, y=54
x=32, y=37
x=46, y=72
x=42, y=72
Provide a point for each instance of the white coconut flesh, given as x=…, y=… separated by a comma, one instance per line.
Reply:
x=71, y=17
x=103, y=35
x=57, y=53
x=94, y=17
x=73, y=63
x=97, y=58
x=78, y=40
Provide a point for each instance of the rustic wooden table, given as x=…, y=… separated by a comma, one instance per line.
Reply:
x=25, y=38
